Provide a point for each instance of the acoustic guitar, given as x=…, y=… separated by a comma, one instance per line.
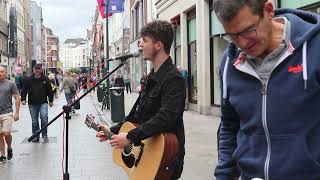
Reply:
x=151, y=160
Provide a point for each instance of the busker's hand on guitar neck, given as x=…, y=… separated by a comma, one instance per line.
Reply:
x=118, y=141
x=100, y=134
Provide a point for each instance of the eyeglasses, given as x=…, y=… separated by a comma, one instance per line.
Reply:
x=248, y=33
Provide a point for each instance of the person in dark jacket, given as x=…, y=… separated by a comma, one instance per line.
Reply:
x=161, y=105
x=84, y=82
x=119, y=82
x=18, y=80
x=23, y=79
x=127, y=83
x=270, y=125
x=39, y=91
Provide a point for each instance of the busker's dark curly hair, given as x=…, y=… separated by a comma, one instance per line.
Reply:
x=159, y=31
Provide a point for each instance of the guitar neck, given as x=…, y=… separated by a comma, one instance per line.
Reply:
x=107, y=133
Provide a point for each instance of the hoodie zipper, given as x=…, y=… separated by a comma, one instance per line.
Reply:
x=246, y=68
x=266, y=130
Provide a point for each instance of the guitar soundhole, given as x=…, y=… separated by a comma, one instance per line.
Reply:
x=128, y=160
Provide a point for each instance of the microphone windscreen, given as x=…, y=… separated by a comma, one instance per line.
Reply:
x=137, y=53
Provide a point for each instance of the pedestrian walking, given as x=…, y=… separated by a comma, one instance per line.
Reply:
x=127, y=82
x=93, y=82
x=270, y=124
x=54, y=84
x=142, y=82
x=69, y=87
x=89, y=83
x=8, y=90
x=18, y=81
x=59, y=78
x=39, y=91
x=84, y=84
x=24, y=77
x=184, y=74
x=119, y=82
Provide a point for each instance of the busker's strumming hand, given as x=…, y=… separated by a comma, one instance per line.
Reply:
x=120, y=140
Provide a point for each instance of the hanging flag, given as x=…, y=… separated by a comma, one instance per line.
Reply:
x=115, y=6
x=101, y=8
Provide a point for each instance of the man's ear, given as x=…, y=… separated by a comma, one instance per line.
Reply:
x=159, y=45
x=269, y=10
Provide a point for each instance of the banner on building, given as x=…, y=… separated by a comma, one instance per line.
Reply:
x=115, y=6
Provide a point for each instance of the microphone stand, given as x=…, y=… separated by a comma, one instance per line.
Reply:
x=67, y=110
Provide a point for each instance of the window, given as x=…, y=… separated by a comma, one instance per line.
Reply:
x=177, y=45
x=313, y=8
x=137, y=17
x=192, y=57
x=3, y=10
x=142, y=16
x=217, y=47
x=132, y=25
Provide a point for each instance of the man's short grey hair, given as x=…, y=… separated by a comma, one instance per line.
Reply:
x=4, y=67
x=226, y=10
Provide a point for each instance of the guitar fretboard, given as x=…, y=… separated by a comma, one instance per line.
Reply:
x=106, y=132
x=94, y=125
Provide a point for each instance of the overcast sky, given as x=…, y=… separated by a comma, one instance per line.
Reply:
x=68, y=18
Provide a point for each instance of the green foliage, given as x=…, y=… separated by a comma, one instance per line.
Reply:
x=76, y=70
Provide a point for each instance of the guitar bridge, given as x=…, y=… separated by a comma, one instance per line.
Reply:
x=140, y=155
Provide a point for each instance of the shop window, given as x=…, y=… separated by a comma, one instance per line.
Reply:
x=177, y=44
x=192, y=57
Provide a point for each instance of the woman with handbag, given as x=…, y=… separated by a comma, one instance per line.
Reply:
x=69, y=87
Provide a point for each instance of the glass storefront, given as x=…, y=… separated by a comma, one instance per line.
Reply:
x=217, y=47
x=177, y=48
x=313, y=8
x=296, y=3
x=193, y=89
x=192, y=59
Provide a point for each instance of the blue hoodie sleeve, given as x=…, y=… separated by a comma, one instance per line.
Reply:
x=227, y=137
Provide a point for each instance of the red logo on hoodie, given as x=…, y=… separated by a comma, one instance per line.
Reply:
x=295, y=69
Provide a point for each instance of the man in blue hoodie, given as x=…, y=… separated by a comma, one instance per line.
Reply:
x=270, y=125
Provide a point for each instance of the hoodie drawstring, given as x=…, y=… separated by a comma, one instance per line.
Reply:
x=224, y=79
x=304, y=64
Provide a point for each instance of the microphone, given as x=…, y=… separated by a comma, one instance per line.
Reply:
x=129, y=55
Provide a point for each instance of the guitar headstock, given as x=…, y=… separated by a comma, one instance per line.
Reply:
x=90, y=121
